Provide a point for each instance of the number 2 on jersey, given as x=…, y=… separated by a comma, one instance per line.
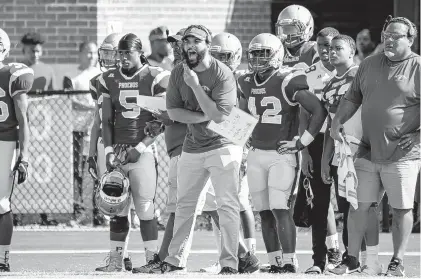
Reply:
x=133, y=111
x=269, y=116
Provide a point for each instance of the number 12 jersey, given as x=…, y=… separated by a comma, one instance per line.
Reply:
x=273, y=103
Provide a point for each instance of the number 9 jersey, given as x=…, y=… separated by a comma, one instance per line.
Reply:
x=129, y=119
x=273, y=103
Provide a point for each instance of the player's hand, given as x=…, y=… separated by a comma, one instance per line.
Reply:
x=93, y=168
x=164, y=117
x=288, y=147
x=409, y=140
x=335, y=130
x=190, y=77
x=21, y=167
x=325, y=173
x=154, y=128
x=111, y=161
x=132, y=156
x=306, y=163
x=248, y=143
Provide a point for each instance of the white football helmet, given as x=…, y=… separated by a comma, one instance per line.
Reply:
x=107, y=52
x=4, y=45
x=113, y=193
x=295, y=25
x=227, y=48
x=265, y=51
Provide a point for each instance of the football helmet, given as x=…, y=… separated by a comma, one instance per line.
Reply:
x=265, y=51
x=227, y=48
x=107, y=52
x=295, y=25
x=4, y=45
x=113, y=193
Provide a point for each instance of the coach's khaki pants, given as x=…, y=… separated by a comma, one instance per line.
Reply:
x=194, y=169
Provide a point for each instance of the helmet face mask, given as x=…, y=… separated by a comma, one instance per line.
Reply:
x=113, y=193
x=225, y=57
x=295, y=25
x=227, y=48
x=107, y=53
x=265, y=52
x=108, y=58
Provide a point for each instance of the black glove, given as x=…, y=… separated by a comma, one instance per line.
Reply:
x=93, y=168
x=154, y=128
x=21, y=167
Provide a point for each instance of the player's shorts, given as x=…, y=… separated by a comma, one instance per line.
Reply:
x=142, y=177
x=398, y=179
x=7, y=162
x=206, y=201
x=271, y=177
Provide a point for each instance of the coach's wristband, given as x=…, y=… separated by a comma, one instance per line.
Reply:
x=141, y=147
x=306, y=138
x=109, y=149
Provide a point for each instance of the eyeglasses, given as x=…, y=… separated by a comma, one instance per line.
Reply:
x=393, y=36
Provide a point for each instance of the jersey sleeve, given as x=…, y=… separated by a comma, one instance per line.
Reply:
x=241, y=87
x=173, y=97
x=93, y=87
x=160, y=83
x=354, y=93
x=21, y=79
x=293, y=83
x=102, y=87
x=224, y=93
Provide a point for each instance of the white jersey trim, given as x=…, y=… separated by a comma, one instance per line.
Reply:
x=347, y=71
x=284, y=85
x=135, y=74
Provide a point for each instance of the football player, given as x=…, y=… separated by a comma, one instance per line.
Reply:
x=227, y=48
x=15, y=81
x=127, y=146
x=318, y=75
x=295, y=27
x=108, y=60
x=341, y=54
x=273, y=96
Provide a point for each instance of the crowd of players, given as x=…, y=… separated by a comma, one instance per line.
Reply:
x=318, y=113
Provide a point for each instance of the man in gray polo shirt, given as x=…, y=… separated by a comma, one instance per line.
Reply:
x=387, y=87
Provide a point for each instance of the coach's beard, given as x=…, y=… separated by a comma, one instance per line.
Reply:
x=193, y=64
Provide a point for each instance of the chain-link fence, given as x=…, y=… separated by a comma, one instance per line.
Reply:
x=59, y=190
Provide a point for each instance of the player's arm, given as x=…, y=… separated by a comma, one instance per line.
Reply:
x=328, y=144
x=242, y=99
x=223, y=98
x=95, y=130
x=296, y=92
x=107, y=115
x=175, y=105
x=21, y=107
x=21, y=82
x=327, y=155
x=318, y=113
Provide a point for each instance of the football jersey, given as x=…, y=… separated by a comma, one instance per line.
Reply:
x=96, y=96
x=15, y=79
x=317, y=77
x=305, y=57
x=273, y=103
x=332, y=95
x=130, y=119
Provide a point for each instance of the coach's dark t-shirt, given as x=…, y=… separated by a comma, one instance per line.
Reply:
x=389, y=93
x=219, y=83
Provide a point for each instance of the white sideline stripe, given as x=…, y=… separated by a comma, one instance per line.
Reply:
x=300, y=252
